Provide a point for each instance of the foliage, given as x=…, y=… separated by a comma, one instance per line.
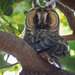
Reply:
x=5, y=5
x=12, y=20
x=69, y=61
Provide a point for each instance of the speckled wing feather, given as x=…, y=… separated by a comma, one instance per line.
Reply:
x=48, y=42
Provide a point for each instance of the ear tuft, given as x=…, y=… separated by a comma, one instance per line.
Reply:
x=50, y=3
x=35, y=3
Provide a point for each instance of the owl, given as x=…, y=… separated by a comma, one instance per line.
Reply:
x=42, y=32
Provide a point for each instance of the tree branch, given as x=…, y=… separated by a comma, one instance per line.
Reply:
x=69, y=15
x=71, y=20
x=19, y=48
x=70, y=37
x=8, y=23
x=29, y=59
x=69, y=3
x=9, y=65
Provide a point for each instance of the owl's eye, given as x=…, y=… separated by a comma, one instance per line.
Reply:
x=35, y=19
x=48, y=19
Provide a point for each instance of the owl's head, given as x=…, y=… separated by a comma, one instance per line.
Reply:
x=42, y=17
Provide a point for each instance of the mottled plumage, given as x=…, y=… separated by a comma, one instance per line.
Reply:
x=42, y=32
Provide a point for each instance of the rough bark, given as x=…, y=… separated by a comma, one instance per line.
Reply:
x=32, y=63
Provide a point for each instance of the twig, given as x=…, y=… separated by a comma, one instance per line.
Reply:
x=9, y=66
x=8, y=23
x=7, y=58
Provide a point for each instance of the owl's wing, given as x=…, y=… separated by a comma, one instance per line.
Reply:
x=52, y=48
x=54, y=45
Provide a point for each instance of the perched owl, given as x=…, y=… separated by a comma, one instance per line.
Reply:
x=42, y=32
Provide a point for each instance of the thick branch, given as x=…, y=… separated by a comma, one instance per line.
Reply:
x=69, y=3
x=29, y=59
x=69, y=15
x=70, y=37
x=71, y=20
x=21, y=50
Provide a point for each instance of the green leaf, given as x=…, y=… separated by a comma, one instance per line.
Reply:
x=6, y=7
x=25, y=12
x=2, y=61
x=16, y=0
x=69, y=62
x=72, y=45
x=9, y=29
x=16, y=32
x=20, y=28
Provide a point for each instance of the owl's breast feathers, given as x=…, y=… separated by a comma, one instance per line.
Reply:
x=49, y=44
